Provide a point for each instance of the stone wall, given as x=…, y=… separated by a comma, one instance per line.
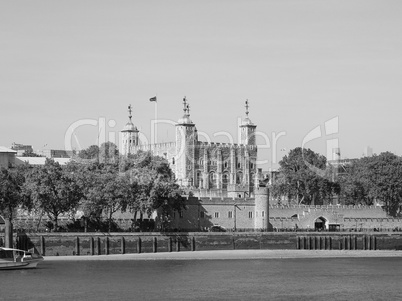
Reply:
x=347, y=217
x=54, y=244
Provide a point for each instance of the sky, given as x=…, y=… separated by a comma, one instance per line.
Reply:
x=67, y=67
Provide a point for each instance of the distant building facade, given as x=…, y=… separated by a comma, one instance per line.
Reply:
x=7, y=157
x=57, y=153
x=21, y=148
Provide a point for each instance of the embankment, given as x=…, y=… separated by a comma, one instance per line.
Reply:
x=66, y=244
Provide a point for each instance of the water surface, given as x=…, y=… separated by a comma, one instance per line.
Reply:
x=259, y=279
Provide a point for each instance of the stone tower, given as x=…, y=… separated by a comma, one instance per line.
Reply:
x=247, y=128
x=261, y=196
x=129, y=135
x=186, y=139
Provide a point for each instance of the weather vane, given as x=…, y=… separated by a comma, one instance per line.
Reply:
x=184, y=104
x=129, y=112
x=247, y=107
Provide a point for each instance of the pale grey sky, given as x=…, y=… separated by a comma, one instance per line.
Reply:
x=300, y=64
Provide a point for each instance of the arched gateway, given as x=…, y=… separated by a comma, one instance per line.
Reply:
x=321, y=224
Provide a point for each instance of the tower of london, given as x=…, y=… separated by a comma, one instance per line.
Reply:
x=207, y=169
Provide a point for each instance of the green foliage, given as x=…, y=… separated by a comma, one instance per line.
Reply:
x=374, y=179
x=153, y=186
x=304, y=177
x=108, y=153
x=92, y=152
x=30, y=154
x=12, y=195
x=53, y=190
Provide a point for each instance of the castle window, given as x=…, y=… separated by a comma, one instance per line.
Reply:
x=216, y=214
x=225, y=164
x=239, y=178
x=238, y=165
x=252, y=165
x=201, y=162
x=173, y=161
x=262, y=213
x=225, y=180
x=198, y=181
x=250, y=214
x=230, y=214
x=212, y=180
x=202, y=214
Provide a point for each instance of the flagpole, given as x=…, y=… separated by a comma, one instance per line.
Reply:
x=156, y=120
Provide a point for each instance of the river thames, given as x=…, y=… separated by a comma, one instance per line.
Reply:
x=231, y=279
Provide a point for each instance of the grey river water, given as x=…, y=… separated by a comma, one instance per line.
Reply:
x=257, y=279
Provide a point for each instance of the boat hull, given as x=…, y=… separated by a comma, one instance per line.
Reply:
x=11, y=265
x=13, y=259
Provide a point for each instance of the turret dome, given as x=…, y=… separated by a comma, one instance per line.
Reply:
x=130, y=127
x=247, y=121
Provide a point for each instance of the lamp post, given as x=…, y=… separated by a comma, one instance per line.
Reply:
x=234, y=216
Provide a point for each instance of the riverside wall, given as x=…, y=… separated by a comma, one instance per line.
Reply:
x=63, y=244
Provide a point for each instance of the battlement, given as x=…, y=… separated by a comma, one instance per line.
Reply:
x=336, y=207
x=147, y=147
x=225, y=145
x=220, y=201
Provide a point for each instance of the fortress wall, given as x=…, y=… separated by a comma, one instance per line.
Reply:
x=387, y=224
x=216, y=212
x=347, y=211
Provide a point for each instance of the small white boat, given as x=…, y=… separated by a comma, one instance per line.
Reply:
x=18, y=259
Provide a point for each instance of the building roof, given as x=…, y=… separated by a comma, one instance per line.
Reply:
x=39, y=160
x=4, y=149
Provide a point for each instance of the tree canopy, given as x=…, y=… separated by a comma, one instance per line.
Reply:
x=304, y=178
x=12, y=195
x=53, y=190
x=372, y=180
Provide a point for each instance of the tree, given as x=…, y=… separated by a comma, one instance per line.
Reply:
x=30, y=154
x=53, y=190
x=167, y=197
x=11, y=197
x=153, y=186
x=91, y=153
x=109, y=191
x=108, y=153
x=372, y=179
x=305, y=177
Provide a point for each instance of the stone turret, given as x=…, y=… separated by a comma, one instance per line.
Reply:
x=247, y=130
x=129, y=135
x=186, y=138
x=261, y=195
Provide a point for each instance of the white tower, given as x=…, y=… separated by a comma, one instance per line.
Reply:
x=129, y=136
x=247, y=129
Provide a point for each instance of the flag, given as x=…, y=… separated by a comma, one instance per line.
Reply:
x=153, y=98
